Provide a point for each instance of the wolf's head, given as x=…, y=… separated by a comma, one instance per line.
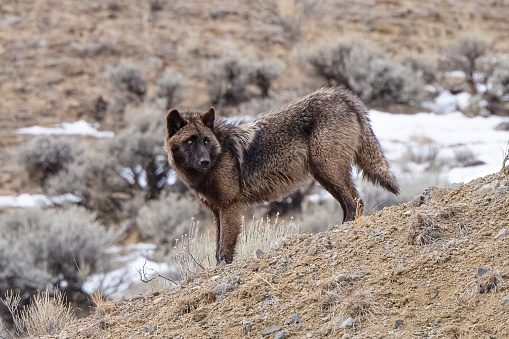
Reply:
x=190, y=143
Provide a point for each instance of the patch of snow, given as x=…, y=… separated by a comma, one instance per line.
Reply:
x=171, y=178
x=127, y=174
x=455, y=74
x=80, y=127
x=115, y=282
x=36, y=200
x=446, y=102
x=398, y=132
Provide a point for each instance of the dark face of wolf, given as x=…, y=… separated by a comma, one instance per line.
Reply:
x=191, y=144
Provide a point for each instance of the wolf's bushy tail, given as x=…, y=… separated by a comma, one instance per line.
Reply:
x=371, y=160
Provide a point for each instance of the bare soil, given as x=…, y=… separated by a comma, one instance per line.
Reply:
x=430, y=267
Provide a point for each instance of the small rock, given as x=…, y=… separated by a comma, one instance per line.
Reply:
x=259, y=253
x=502, y=233
x=505, y=299
x=433, y=292
x=236, y=280
x=152, y=293
x=271, y=329
x=223, y=263
x=221, y=289
x=91, y=331
x=484, y=189
x=399, y=322
x=480, y=271
x=280, y=335
x=342, y=277
x=346, y=336
x=254, y=267
x=309, y=335
x=312, y=250
x=157, y=300
x=295, y=318
x=347, y=323
x=300, y=275
x=275, y=280
x=327, y=243
x=503, y=126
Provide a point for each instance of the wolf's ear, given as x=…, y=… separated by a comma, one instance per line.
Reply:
x=174, y=122
x=208, y=118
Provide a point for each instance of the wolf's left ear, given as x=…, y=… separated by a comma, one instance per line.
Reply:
x=208, y=118
x=174, y=122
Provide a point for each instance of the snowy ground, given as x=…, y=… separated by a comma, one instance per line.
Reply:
x=80, y=127
x=132, y=259
x=447, y=133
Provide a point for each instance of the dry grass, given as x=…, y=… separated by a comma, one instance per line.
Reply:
x=195, y=251
x=491, y=282
x=46, y=315
x=98, y=298
x=423, y=229
x=505, y=160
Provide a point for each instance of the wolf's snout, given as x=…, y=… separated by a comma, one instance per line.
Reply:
x=204, y=161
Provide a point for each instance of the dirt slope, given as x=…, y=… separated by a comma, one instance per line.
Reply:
x=419, y=267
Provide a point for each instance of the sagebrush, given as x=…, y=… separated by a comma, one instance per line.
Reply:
x=51, y=247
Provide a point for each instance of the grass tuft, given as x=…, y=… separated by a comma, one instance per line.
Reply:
x=46, y=315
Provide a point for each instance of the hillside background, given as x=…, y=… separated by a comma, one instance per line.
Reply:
x=75, y=206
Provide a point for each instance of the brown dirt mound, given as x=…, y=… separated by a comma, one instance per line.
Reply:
x=428, y=268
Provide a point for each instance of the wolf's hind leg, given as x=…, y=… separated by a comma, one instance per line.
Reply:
x=337, y=180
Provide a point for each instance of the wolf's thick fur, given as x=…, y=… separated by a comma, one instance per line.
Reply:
x=232, y=165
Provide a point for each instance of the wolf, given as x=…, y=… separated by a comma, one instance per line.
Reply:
x=234, y=164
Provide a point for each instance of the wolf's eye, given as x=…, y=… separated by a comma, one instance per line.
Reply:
x=189, y=142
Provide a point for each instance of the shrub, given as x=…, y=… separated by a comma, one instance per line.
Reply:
x=168, y=87
x=264, y=73
x=228, y=79
x=465, y=53
x=127, y=77
x=139, y=149
x=373, y=76
x=157, y=5
x=497, y=95
x=166, y=219
x=293, y=13
x=94, y=178
x=422, y=65
x=50, y=247
x=45, y=156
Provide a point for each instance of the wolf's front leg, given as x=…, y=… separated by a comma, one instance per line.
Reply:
x=217, y=224
x=230, y=222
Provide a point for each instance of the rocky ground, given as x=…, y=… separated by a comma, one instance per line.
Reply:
x=434, y=267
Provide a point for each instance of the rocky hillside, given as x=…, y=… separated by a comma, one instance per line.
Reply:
x=435, y=267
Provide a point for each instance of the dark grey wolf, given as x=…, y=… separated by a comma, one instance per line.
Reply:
x=230, y=165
